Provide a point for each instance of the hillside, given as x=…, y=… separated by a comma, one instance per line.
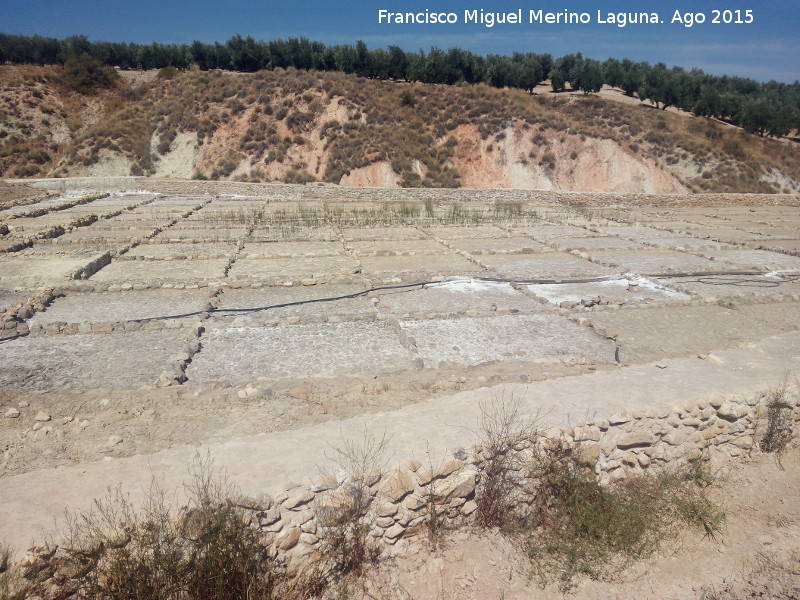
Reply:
x=300, y=126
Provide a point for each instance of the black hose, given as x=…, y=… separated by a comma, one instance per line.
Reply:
x=791, y=277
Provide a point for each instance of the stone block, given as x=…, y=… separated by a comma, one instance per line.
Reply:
x=716, y=399
x=589, y=453
x=728, y=410
x=386, y=509
x=395, y=531
x=591, y=434
x=425, y=476
x=638, y=437
x=619, y=418
x=460, y=485
x=384, y=522
x=397, y=485
x=298, y=499
x=289, y=538
x=414, y=502
x=469, y=507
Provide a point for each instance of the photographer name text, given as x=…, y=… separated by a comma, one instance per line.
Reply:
x=521, y=16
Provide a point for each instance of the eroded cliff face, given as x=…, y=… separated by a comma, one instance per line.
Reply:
x=378, y=174
x=563, y=162
x=559, y=161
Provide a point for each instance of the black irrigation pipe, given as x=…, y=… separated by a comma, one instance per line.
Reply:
x=741, y=282
x=287, y=304
x=13, y=337
x=789, y=277
x=423, y=284
x=712, y=274
x=703, y=278
x=362, y=293
x=550, y=281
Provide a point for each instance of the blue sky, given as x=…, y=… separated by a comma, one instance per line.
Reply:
x=769, y=48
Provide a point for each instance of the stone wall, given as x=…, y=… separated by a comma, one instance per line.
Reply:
x=13, y=321
x=402, y=502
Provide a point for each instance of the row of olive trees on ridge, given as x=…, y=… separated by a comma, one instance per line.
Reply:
x=771, y=108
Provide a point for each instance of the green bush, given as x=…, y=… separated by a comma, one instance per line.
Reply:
x=208, y=551
x=12, y=584
x=87, y=75
x=579, y=527
x=779, y=420
x=548, y=161
x=167, y=72
x=299, y=176
x=407, y=99
x=26, y=171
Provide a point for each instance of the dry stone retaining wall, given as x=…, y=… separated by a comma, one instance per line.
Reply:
x=26, y=241
x=403, y=501
x=13, y=321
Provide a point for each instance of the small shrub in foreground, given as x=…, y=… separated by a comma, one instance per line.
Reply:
x=208, y=551
x=579, y=527
x=545, y=493
x=343, y=518
x=502, y=428
x=779, y=420
x=12, y=586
